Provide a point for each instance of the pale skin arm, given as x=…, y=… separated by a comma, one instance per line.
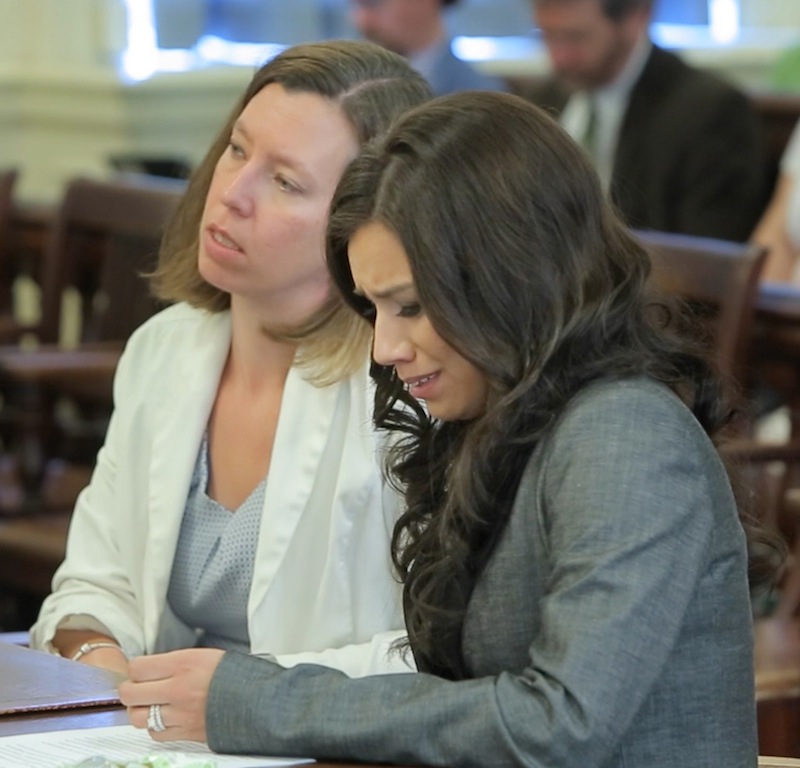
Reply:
x=179, y=681
x=68, y=641
x=771, y=232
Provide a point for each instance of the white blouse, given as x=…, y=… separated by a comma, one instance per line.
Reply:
x=323, y=590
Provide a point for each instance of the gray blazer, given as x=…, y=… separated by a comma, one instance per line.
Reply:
x=611, y=626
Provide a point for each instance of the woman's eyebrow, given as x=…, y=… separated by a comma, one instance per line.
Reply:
x=386, y=293
x=278, y=158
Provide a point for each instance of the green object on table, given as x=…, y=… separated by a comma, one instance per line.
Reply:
x=149, y=761
x=785, y=75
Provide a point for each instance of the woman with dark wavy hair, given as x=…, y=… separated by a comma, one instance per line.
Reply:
x=575, y=569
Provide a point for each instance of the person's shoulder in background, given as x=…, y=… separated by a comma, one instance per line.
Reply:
x=452, y=74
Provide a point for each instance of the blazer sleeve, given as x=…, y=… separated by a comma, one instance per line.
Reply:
x=629, y=525
x=92, y=586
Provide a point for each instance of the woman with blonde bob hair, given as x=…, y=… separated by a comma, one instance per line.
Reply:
x=238, y=501
x=574, y=565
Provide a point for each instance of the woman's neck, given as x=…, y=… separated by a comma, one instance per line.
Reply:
x=256, y=359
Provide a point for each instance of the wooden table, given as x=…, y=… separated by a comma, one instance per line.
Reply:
x=105, y=716
x=101, y=718
x=12, y=725
x=66, y=719
x=62, y=720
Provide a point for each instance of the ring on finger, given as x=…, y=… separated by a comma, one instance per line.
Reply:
x=155, y=722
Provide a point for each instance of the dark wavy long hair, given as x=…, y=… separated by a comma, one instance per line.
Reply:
x=523, y=267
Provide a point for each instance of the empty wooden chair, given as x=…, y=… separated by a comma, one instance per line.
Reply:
x=776, y=355
x=105, y=235
x=8, y=325
x=719, y=282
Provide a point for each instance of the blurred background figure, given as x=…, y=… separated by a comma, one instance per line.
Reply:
x=416, y=29
x=779, y=227
x=679, y=149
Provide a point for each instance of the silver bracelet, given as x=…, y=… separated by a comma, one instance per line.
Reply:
x=89, y=647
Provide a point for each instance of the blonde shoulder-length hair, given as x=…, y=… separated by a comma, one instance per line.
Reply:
x=372, y=86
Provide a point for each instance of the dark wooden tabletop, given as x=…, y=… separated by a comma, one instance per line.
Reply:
x=72, y=719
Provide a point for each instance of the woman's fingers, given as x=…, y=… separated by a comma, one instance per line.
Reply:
x=176, y=684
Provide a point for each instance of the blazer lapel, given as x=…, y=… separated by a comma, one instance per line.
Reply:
x=186, y=402
x=303, y=430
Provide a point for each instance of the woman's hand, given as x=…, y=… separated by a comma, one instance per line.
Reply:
x=178, y=683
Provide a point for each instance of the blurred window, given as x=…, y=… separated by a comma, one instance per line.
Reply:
x=181, y=23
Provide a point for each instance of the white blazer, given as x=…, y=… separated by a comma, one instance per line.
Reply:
x=323, y=590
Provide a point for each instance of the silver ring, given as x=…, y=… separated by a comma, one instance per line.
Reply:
x=154, y=721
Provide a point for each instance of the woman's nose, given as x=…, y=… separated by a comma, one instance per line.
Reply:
x=240, y=193
x=389, y=345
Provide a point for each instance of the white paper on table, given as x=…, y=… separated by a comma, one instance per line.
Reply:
x=117, y=742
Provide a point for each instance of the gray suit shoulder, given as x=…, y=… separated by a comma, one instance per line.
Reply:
x=629, y=403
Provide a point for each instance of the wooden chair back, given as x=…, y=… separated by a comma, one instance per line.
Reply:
x=719, y=282
x=105, y=235
x=8, y=180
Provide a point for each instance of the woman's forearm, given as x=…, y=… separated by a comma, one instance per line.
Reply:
x=90, y=647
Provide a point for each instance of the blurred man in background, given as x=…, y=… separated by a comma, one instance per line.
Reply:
x=416, y=30
x=679, y=149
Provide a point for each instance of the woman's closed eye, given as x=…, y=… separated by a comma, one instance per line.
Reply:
x=235, y=149
x=367, y=309
x=411, y=309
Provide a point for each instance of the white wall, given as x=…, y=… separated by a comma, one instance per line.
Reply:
x=771, y=13
x=64, y=110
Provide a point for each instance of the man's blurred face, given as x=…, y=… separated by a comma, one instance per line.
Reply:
x=587, y=49
x=393, y=24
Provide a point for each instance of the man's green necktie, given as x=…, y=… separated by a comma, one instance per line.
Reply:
x=589, y=136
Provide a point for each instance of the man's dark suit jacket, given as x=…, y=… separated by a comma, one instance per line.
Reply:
x=690, y=153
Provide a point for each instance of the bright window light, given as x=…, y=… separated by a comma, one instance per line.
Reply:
x=143, y=58
x=210, y=48
x=140, y=57
x=723, y=16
